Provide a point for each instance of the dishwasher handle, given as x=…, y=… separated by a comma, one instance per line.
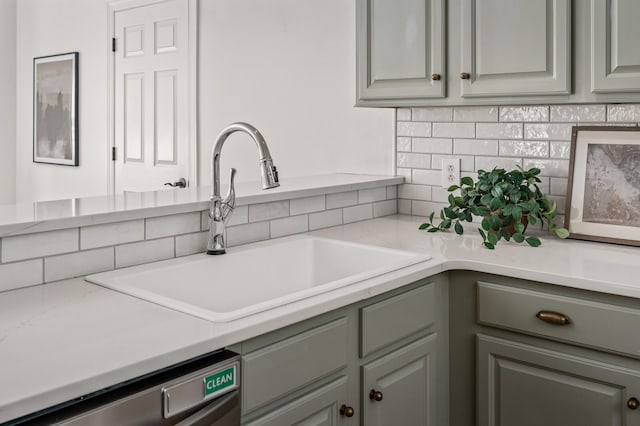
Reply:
x=224, y=411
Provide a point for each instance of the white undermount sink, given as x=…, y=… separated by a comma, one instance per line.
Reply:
x=256, y=277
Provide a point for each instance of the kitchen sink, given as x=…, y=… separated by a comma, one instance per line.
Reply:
x=255, y=277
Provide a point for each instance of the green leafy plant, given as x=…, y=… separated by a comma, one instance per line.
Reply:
x=506, y=201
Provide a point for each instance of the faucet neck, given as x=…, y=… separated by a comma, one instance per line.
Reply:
x=263, y=151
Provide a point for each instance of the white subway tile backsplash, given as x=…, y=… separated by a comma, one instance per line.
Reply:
x=579, y=113
x=499, y=131
x=325, y=219
x=248, y=233
x=427, y=177
x=488, y=163
x=432, y=114
x=307, y=205
x=561, y=132
x=289, y=226
x=475, y=114
x=342, y=199
x=372, y=194
x=454, y=130
x=425, y=208
x=21, y=274
x=268, y=211
x=558, y=186
x=414, y=192
x=385, y=208
x=400, y=171
x=432, y=145
x=412, y=160
x=475, y=146
x=440, y=195
x=559, y=149
x=518, y=148
x=524, y=113
x=403, y=114
x=505, y=137
x=191, y=243
x=239, y=216
x=357, y=213
x=144, y=252
x=78, y=264
x=623, y=113
x=111, y=234
x=551, y=168
x=39, y=244
x=467, y=162
x=414, y=129
x=164, y=226
x=404, y=206
x=392, y=192
x=403, y=144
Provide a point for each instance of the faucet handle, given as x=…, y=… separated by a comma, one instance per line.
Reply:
x=229, y=201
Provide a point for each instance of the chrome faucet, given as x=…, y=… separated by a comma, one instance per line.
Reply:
x=221, y=209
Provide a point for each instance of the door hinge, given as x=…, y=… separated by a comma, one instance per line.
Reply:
x=113, y=153
x=113, y=44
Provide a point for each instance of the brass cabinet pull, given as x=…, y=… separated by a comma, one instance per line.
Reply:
x=465, y=76
x=435, y=77
x=347, y=411
x=554, y=318
x=633, y=403
x=375, y=395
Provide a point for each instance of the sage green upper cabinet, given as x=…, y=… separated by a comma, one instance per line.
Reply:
x=515, y=47
x=615, y=50
x=401, y=49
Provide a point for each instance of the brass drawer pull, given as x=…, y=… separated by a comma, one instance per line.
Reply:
x=435, y=77
x=375, y=395
x=465, y=76
x=554, y=318
x=633, y=403
x=347, y=411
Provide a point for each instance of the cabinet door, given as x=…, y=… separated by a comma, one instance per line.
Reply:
x=400, y=49
x=406, y=382
x=515, y=47
x=318, y=408
x=615, y=50
x=525, y=385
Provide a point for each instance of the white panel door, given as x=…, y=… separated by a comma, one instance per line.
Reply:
x=151, y=95
x=515, y=47
x=615, y=50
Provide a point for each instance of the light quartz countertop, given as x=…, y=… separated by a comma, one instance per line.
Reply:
x=49, y=215
x=62, y=340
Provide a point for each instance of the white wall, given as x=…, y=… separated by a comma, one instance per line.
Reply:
x=286, y=66
x=48, y=27
x=7, y=101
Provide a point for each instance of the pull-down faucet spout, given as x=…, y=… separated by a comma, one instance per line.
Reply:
x=221, y=209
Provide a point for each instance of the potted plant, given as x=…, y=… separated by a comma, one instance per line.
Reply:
x=506, y=201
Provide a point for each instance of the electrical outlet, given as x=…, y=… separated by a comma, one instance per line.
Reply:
x=450, y=172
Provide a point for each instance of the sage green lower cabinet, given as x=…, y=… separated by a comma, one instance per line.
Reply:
x=320, y=407
x=524, y=385
x=397, y=387
x=321, y=371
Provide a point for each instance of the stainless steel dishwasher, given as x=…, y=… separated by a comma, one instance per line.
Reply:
x=204, y=391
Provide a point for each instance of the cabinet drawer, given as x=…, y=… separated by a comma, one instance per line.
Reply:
x=286, y=366
x=600, y=325
x=395, y=318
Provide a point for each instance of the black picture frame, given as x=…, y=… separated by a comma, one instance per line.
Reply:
x=55, y=109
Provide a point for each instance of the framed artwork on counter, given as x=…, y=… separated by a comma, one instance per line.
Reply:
x=55, y=109
x=603, y=193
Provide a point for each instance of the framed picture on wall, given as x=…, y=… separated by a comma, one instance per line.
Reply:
x=603, y=196
x=55, y=109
